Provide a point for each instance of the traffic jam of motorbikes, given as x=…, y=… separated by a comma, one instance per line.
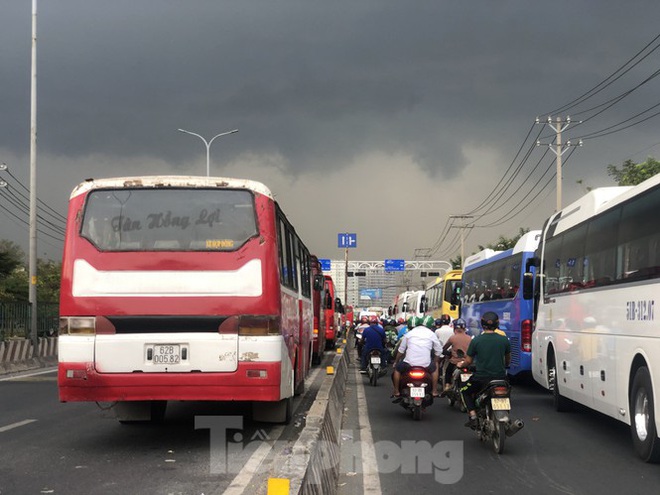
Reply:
x=429, y=360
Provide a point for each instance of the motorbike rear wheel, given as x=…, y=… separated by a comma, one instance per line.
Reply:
x=498, y=435
x=417, y=413
x=373, y=379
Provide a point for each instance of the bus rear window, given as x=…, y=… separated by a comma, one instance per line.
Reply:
x=169, y=219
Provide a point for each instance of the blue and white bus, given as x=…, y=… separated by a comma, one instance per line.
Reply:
x=493, y=281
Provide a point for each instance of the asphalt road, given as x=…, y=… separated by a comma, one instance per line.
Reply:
x=47, y=447
x=580, y=452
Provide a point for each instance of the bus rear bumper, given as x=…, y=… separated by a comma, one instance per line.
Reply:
x=252, y=381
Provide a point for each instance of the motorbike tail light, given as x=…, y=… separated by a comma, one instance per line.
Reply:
x=417, y=374
x=500, y=391
x=526, y=335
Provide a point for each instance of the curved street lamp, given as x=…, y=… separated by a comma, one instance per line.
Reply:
x=208, y=146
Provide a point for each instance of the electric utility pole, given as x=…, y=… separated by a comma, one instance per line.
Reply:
x=558, y=126
x=32, y=293
x=462, y=227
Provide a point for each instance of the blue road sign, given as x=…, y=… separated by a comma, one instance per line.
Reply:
x=346, y=240
x=326, y=265
x=395, y=265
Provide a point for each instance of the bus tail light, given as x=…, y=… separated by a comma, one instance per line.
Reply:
x=77, y=325
x=526, y=335
x=76, y=374
x=258, y=326
x=257, y=374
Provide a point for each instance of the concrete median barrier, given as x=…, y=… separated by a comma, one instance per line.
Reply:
x=312, y=465
x=19, y=354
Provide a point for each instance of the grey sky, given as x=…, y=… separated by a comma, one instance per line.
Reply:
x=375, y=117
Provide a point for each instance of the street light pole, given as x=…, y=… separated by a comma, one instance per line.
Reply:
x=32, y=258
x=208, y=146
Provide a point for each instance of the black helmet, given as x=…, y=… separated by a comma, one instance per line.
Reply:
x=490, y=321
x=459, y=323
x=443, y=320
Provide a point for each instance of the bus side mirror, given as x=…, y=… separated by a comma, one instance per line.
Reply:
x=455, y=299
x=528, y=285
x=318, y=282
x=532, y=262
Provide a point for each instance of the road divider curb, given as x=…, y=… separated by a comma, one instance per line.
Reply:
x=312, y=465
x=18, y=354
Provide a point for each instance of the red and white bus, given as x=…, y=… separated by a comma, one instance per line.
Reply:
x=331, y=319
x=318, y=299
x=182, y=288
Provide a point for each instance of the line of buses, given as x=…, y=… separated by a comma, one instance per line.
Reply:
x=198, y=288
x=188, y=288
x=577, y=301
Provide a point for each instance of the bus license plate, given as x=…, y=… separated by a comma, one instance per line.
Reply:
x=465, y=376
x=375, y=360
x=166, y=354
x=500, y=404
x=417, y=392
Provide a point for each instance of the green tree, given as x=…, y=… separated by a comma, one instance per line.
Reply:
x=456, y=263
x=11, y=257
x=503, y=243
x=15, y=276
x=632, y=173
x=48, y=282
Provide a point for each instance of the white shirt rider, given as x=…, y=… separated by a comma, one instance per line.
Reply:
x=417, y=345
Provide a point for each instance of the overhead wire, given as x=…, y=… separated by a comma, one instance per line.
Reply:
x=604, y=83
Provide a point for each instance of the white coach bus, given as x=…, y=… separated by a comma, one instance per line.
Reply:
x=597, y=341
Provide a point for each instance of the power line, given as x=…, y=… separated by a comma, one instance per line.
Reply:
x=604, y=83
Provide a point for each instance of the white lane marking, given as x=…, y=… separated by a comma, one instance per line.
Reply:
x=370, y=476
x=242, y=479
x=16, y=425
x=239, y=484
x=26, y=375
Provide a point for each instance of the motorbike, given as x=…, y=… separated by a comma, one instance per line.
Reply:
x=375, y=366
x=460, y=377
x=416, y=392
x=359, y=342
x=493, y=405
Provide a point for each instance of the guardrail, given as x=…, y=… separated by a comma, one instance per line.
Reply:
x=16, y=317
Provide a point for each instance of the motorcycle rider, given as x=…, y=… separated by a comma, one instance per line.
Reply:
x=402, y=328
x=443, y=329
x=419, y=347
x=492, y=354
x=390, y=333
x=359, y=328
x=458, y=341
x=373, y=337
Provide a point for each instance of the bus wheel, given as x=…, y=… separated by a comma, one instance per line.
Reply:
x=562, y=404
x=642, y=417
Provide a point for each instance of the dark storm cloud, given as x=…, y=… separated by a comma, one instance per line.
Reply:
x=319, y=83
